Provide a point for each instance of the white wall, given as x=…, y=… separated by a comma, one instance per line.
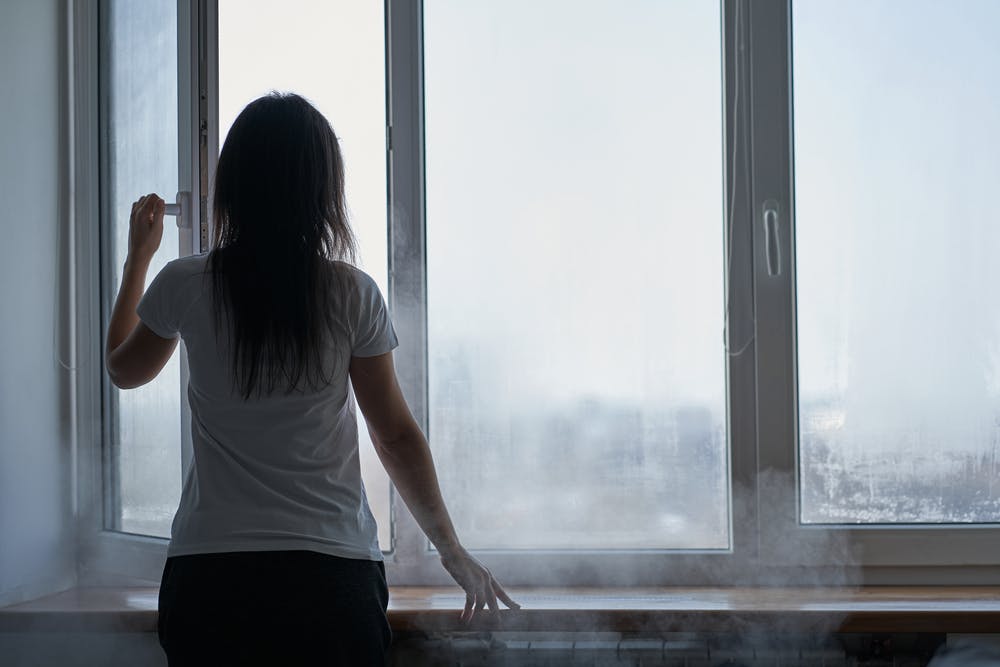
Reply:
x=36, y=523
x=81, y=649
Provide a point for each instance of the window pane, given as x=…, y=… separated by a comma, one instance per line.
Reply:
x=897, y=121
x=575, y=270
x=333, y=54
x=141, y=157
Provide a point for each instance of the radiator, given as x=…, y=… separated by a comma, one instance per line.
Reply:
x=539, y=649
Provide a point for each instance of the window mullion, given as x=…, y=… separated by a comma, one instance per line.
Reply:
x=774, y=270
x=187, y=122
x=739, y=329
x=197, y=145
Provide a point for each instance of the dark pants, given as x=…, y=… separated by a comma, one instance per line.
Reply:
x=273, y=608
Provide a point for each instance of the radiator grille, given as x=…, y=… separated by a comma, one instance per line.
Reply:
x=614, y=650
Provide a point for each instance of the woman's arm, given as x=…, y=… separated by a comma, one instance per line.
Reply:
x=407, y=458
x=134, y=354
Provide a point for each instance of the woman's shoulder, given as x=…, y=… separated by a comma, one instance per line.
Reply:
x=187, y=266
x=363, y=282
x=181, y=272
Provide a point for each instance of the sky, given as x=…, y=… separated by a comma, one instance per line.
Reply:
x=897, y=120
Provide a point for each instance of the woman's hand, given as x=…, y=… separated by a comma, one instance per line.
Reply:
x=481, y=589
x=145, y=228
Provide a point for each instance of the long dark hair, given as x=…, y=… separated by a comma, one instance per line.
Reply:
x=280, y=222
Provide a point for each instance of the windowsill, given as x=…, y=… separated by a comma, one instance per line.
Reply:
x=648, y=610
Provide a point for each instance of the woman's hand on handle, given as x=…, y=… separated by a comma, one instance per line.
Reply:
x=145, y=228
x=482, y=590
x=134, y=354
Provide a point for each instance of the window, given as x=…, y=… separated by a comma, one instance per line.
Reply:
x=567, y=199
x=139, y=117
x=898, y=330
x=136, y=130
x=685, y=291
x=873, y=433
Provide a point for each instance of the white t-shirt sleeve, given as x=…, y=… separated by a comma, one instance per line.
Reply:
x=374, y=334
x=159, y=307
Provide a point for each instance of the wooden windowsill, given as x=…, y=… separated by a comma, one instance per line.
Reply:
x=639, y=610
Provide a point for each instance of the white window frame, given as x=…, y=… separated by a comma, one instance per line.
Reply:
x=766, y=539
x=412, y=561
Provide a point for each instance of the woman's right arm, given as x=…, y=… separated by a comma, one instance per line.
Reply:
x=404, y=452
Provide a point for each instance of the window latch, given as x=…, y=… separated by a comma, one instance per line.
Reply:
x=181, y=209
x=772, y=242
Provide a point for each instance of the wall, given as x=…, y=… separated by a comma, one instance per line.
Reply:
x=36, y=520
x=81, y=649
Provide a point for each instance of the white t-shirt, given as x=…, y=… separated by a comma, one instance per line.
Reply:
x=280, y=472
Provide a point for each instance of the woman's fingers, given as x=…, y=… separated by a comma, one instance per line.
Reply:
x=490, y=591
x=484, y=597
x=148, y=205
x=467, y=612
x=146, y=226
x=482, y=591
x=502, y=594
x=139, y=209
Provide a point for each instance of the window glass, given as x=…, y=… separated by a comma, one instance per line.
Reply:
x=575, y=272
x=897, y=121
x=140, y=117
x=332, y=52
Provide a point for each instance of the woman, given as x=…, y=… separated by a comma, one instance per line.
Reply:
x=273, y=557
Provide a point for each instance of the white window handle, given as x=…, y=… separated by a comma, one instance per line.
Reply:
x=772, y=242
x=182, y=209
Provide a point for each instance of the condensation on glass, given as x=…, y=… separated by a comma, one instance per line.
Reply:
x=897, y=120
x=333, y=54
x=575, y=272
x=141, y=145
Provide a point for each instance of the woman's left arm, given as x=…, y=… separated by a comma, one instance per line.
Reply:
x=134, y=354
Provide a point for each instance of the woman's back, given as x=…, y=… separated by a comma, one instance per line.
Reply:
x=273, y=546
x=278, y=470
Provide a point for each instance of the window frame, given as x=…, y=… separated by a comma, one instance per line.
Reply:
x=758, y=166
x=413, y=561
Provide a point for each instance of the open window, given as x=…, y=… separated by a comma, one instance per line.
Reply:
x=145, y=135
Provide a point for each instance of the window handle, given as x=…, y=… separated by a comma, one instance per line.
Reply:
x=181, y=209
x=772, y=242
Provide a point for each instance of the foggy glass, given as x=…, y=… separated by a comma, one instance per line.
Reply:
x=897, y=123
x=141, y=116
x=333, y=54
x=575, y=272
